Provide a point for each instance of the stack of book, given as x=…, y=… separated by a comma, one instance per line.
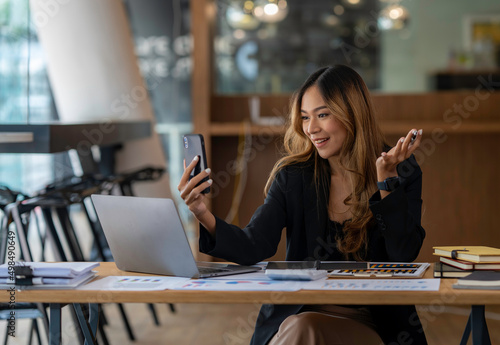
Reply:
x=461, y=261
x=46, y=275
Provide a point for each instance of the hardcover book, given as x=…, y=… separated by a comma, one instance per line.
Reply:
x=445, y=271
x=481, y=278
x=466, y=265
x=477, y=254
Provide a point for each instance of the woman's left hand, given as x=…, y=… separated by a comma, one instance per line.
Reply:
x=387, y=162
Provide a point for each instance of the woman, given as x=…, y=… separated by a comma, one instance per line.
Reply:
x=325, y=192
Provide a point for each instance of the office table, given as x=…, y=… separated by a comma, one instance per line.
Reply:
x=444, y=297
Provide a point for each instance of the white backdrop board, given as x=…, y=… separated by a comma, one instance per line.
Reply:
x=94, y=75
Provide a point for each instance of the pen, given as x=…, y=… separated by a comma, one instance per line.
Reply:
x=413, y=137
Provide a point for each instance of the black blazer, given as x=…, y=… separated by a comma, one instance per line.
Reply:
x=293, y=202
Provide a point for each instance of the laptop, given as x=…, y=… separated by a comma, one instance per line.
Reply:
x=146, y=235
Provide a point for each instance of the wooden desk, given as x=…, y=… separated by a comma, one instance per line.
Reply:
x=445, y=296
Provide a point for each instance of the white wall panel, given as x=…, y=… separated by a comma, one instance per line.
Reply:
x=94, y=74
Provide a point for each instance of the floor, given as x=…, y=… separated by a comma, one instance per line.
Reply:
x=211, y=324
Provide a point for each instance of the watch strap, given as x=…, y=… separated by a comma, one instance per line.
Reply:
x=389, y=184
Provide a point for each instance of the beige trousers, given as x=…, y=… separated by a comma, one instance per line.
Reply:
x=318, y=328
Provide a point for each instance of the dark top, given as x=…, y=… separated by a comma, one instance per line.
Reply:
x=293, y=202
x=334, y=230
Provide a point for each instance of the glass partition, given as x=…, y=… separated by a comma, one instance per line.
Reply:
x=25, y=97
x=271, y=46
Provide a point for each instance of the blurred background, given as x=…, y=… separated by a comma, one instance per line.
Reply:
x=259, y=47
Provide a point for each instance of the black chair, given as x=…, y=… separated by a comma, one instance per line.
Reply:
x=21, y=213
x=49, y=209
x=33, y=311
x=76, y=190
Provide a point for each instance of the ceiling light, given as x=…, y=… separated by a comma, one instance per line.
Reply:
x=270, y=11
x=238, y=18
x=248, y=6
x=239, y=34
x=338, y=10
x=352, y=2
x=393, y=17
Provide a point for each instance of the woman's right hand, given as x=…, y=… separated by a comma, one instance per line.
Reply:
x=192, y=196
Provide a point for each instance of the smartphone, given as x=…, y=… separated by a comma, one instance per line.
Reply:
x=194, y=145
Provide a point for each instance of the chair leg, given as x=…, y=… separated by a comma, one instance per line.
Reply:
x=78, y=329
x=125, y=321
x=37, y=332
x=6, y=339
x=172, y=308
x=69, y=234
x=3, y=233
x=103, y=317
x=154, y=314
x=41, y=237
x=45, y=320
x=22, y=231
x=102, y=333
x=53, y=236
x=32, y=329
x=95, y=227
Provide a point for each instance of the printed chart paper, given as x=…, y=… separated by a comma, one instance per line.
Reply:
x=259, y=275
x=237, y=285
x=133, y=283
x=374, y=284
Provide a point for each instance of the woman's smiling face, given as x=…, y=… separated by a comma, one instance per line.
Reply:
x=321, y=127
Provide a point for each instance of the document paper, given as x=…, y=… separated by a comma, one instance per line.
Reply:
x=237, y=285
x=374, y=284
x=133, y=283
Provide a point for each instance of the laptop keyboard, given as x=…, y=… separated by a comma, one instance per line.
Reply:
x=208, y=270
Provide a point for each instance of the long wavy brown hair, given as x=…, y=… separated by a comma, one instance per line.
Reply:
x=348, y=99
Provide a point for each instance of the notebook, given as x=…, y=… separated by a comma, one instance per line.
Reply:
x=477, y=254
x=442, y=270
x=146, y=235
x=466, y=265
x=481, y=278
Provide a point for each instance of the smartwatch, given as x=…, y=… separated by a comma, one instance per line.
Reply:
x=389, y=184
